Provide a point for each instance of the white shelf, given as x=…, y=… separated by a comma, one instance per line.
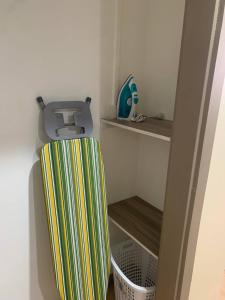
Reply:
x=160, y=129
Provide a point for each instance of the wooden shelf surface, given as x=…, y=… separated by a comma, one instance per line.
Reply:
x=161, y=129
x=140, y=220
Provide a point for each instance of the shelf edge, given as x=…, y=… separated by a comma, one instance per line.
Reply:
x=132, y=237
x=154, y=135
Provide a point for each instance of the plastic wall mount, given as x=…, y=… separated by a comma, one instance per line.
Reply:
x=79, y=121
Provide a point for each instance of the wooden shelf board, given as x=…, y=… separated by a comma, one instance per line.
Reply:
x=139, y=220
x=161, y=129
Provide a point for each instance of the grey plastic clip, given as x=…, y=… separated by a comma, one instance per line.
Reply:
x=40, y=101
x=67, y=119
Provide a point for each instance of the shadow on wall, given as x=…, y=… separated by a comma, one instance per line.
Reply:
x=42, y=281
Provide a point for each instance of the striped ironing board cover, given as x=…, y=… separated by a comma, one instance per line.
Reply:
x=74, y=187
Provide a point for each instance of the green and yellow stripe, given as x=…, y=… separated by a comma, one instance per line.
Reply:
x=74, y=187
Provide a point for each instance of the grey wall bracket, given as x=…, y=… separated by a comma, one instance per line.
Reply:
x=67, y=119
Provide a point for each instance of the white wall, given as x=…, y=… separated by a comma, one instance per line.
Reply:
x=208, y=270
x=152, y=162
x=49, y=48
x=149, y=47
x=163, y=42
x=120, y=158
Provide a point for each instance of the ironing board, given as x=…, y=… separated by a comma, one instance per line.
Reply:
x=74, y=187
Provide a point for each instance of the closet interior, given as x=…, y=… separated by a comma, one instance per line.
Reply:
x=143, y=38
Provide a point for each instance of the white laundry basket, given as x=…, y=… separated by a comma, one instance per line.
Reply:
x=134, y=272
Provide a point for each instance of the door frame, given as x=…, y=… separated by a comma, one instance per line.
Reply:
x=198, y=97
